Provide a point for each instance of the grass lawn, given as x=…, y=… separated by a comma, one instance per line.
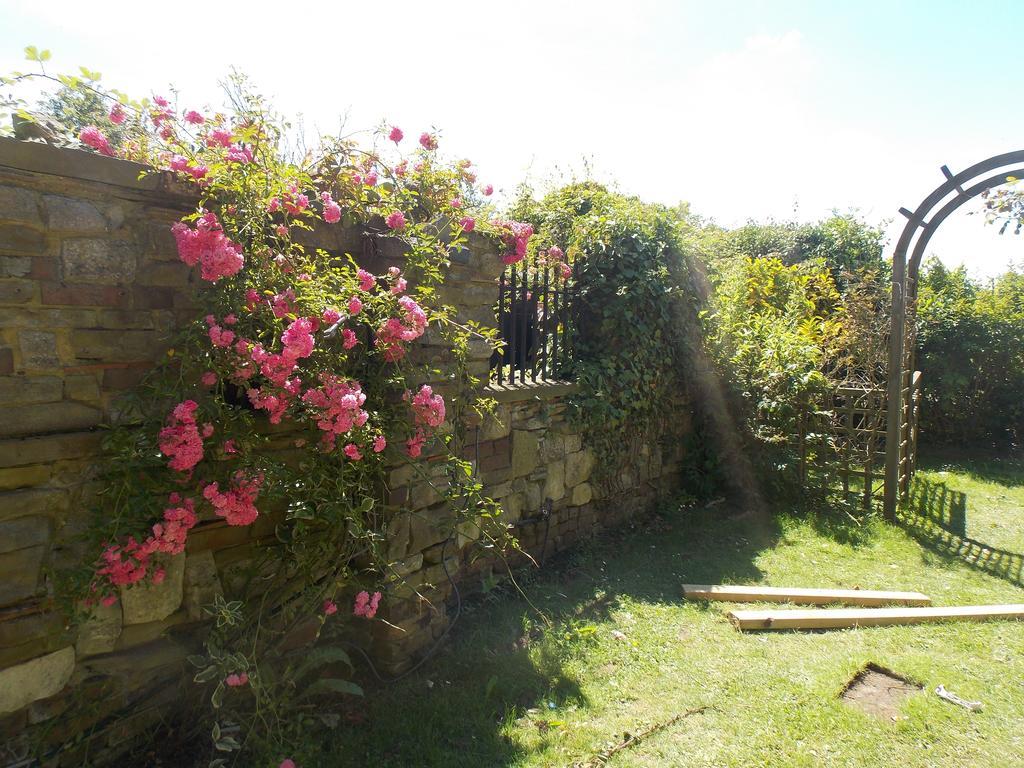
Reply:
x=626, y=653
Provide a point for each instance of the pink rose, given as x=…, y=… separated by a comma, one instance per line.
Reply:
x=396, y=221
x=93, y=137
x=236, y=680
x=332, y=211
x=366, y=280
x=396, y=134
x=428, y=141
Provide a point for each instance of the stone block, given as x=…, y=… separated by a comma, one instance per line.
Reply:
x=33, y=502
x=38, y=349
x=30, y=389
x=30, y=628
x=468, y=532
x=582, y=494
x=91, y=260
x=552, y=447
x=141, y=634
x=168, y=274
x=115, y=346
x=24, y=532
x=499, y=490
x=397, y=537
x=6, y=361
x=578, y=467
x=52, y=417
x=201, y=583
x=18, y=204
x=12, y=478
x=429, y=527
x=403, y=568
x=39, y=678
x=423, y=495
x=84, y=387
x=19, y=573
x=148, y=602
x=69, y=214
x=51, y=448
x=512, y=508
x=554, y=484
x=534, y=496
x=78, y=295
x=17, y=291
x=525, y=452
x=15, y=266
x=21, y=239
x=100, y=631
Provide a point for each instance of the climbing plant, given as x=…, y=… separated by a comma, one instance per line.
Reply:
x=630, y=281
x=281, y=405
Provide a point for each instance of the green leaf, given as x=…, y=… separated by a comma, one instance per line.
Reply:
x=218, y=695
x=206, y=675
x=227, y=744
x=318, y=657
x=333, y=685
x=44, y=55
x=31, y=53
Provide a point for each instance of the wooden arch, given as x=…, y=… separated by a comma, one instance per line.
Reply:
x=921, y=225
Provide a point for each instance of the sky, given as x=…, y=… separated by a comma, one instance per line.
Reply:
x=748, y=110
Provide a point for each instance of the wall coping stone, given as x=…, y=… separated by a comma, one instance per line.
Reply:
x=544, y=389
x=67, y=162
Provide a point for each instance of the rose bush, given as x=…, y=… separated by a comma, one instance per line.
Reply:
x=281, y=404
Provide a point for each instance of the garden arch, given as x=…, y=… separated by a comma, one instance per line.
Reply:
x=901, y=429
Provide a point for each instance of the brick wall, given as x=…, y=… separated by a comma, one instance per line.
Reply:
x=90, y=291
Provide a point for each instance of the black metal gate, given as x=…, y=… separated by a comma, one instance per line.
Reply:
x=537, y=320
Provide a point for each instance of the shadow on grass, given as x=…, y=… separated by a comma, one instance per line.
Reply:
x=502, y=667
x=1006, y=469
x=936, y=515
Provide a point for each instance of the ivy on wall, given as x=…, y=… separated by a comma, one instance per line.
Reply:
x=632, y=290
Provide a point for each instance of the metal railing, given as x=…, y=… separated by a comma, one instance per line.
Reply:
x=537, y=320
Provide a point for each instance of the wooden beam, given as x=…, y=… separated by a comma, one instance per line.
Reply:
x=838, y=618
x=737, y=594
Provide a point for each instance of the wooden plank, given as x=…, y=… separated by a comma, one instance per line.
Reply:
x=839, y=618
x=739, y=594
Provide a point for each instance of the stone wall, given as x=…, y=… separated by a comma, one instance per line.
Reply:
x=90, y=291
x=533, y=461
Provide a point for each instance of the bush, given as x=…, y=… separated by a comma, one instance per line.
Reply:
x=632, y=286
x=970, y=347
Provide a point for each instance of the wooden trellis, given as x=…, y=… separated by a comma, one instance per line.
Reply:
x=841, y=442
